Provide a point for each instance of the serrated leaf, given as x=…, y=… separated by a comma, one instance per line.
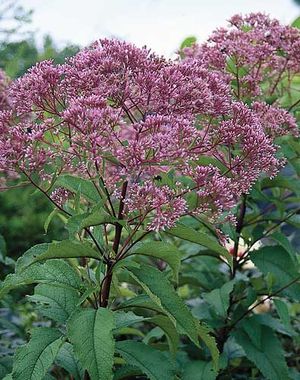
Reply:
x=276, y=260
x=204, y=334
x=97, y=217
x=65, y=359
x=76, y=184
x=219, y=298
x=186, y=233
x=67, y=249
x=263, y=349
x=161, y=292
x=168, y=328
x=55, y=302
x=34, y=359
x=141, y=301
x=283, y=312
x=90, y=332
x=199, y=370
x=153, y=363
x=163, y=251
x=28, y=256
x=124, y=319
x=56, y=272
x=284, y=242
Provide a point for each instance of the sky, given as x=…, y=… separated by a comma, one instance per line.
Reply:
x=160, y=24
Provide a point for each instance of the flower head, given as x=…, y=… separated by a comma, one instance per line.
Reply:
x=115, y=113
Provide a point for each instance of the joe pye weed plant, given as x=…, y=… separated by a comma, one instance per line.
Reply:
x=152, y=164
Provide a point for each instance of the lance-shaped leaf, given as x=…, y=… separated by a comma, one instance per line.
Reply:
x=55, y=272
x=219, y=298
x=57, y=250
x=55, y=302
x=210, y=342
x=67, y=249
x=97, y=217
x=90, y=332
x=66, y=359
x=160, y=290
x=76, y=184
x=125, y=319
x=187, y=233
x=263, y=348
x=141, y=301
x=276, y=260
x=199, y=370
x=163, y=251
x=168, y=328
x=33, y=360
x=153, y=363
x=283, y=312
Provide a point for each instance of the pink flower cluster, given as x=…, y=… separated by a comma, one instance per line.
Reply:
x=4, y=101
x=257, y=53
x=115, y=113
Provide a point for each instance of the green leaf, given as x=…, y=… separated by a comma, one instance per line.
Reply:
x=76, y=184
x=126, y=371
x=67, y=249
x=34, y=359
x=8, y=377
x=55, y=302
x=160, y=250
x=55, y=272
x=188, y=42
x=204, y=334
x=28, y=257
x=90, y=332
x=283, y=313
x=284, y=242
x=296, y=23
x=57, y=250
x=3, y=249
x=168, y=328
x=159, y=289
x=5, y=366
x=206, y=160
x=151, y=362
x=65, y=359
x=186, y=233
x=199, y=370
x=49, y=219
x=219, y=298
x=282, y=182
x=124, y=319
x=276, y=260
x=263, y=348
x=141, y=301
x=97, y=217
